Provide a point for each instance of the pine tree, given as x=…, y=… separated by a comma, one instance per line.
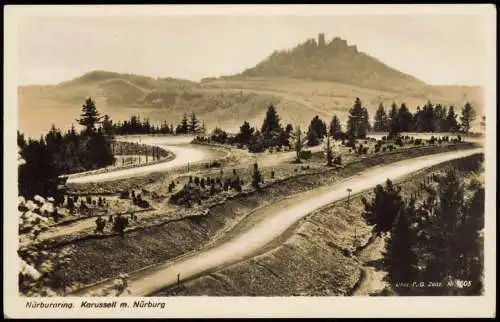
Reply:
x=472, y=243
x=256, y=176
x=418, y=119
x=335, y=126
x=445, y=257
x=451, y=124
x=366, y=119
x=21, y=141
x=468, y=116
x=184, y=125
x=245, y=133
x=356, y=125
x=98, y=152
x=318, y=126
x=440, y=118
x=193, y=124
x=405, y=119
x=90, y=117
x=394, y=128
x=428, y=118
x=271, y=122
x=107, y=125
x=312, y=137
x=401, y=258
x=203, y=130
x=39, y=174
x=381, y=123
x=384, y=207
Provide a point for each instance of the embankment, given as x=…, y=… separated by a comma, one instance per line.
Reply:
x=312, y=258
x=95, y=259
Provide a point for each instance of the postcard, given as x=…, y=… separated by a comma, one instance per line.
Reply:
x=249, y=161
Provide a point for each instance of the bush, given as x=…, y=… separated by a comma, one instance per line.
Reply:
x=305, y=154
x=256, y=146
x=399, y=141
x=215, y=164
x=337, y=160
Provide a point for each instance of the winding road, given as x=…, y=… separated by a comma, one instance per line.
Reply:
x=183, y=151
x=273, y=221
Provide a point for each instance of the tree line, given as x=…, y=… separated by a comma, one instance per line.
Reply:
x=429, y=118
x=272, y=134
x=187, y=125
x=59, y=153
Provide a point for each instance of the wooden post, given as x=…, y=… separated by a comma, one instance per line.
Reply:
x=348, y=196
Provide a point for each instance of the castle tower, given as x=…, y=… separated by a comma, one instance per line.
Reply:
x=321, y=40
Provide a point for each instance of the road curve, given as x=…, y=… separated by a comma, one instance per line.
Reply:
x=277, y=219
x=184, y=154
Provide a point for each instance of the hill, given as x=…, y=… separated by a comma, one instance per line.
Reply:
x=123, y=95
x=334, y=61
x=314, y=78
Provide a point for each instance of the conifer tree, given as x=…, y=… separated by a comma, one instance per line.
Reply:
x=193, y=123
x=271, y=122
x=335, y=126
x=356, y=125
x=401, y=257
x=405, y=119
x=312, y=137
x=468, y=116
x=394, y=128
x=184, y=125
x=90, y=117
x=381, y=123
x=451, y=121
x=384, y=207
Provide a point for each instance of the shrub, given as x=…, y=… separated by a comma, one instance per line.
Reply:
x=305, y=154
x=337, y=160
x=256, y=177
x=215, y=164
x=399, y=141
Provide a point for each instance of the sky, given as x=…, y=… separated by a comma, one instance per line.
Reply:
x=53, y=47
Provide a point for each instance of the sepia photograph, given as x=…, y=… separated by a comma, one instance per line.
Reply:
x=238, y=153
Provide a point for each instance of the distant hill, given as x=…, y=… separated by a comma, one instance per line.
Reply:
x=314, y=78
x=335, y=61
x=124, y=95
